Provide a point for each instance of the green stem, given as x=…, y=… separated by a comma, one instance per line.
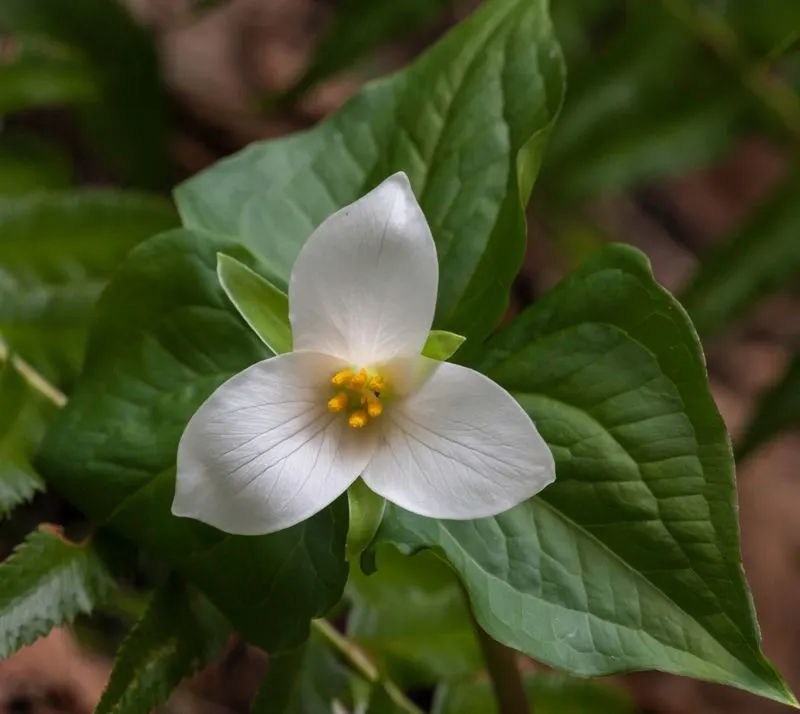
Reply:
x=501, y=663
x=36, y=380
x=362, y=664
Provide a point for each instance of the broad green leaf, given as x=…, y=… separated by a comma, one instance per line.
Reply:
x=630, y=560
x=57, y=251
x=177, y=636
x=442, y=345
x=467, y=122
x=47, y=581
x=28, y=163
x=128, y=123
x=764, y=256
x=304, y=681
x=358, y=28
x=24, y=415
x=259, y=302
x=366, y=512
x=164, y=337
x=35, y=74
x=411, y=616
x=777, y=410
x=548, y=694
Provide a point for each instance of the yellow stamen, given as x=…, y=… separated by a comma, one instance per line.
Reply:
x=338, y=403
x=359, y=380
x=377, y=383
x=342, y=379
x=358, y=419
x=374, y=408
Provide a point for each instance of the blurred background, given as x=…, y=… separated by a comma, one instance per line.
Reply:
x=679, y=135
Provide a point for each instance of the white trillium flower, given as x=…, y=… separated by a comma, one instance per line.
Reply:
x=281, y=440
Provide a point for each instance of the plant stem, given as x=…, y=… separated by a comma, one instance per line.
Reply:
x=362, y=664
x=36, y=380
x=501, y=663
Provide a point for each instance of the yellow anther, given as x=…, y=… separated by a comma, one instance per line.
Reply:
x=342, y=379
x=338, y=403
x=374, y=408
x=358, y=419
x=359, y=380
x=377, y=383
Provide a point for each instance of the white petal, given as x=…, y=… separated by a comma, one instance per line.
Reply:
x=364, y=285
x=263, y=452
x=461, y=447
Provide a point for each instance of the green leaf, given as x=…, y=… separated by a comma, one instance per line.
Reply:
x=129, y=122
x=164, y=337
x=366, y=512
x=548, y=694
x=177, y=636
x=359, y=27
x=35, y=74
x=442, y=345
x=57, y=251
x=764, y=256
x=304, y=681
x=24, y=415
x=28, y=163
x=259, y=302
x=411, y=616
x=47, y=581
x=467, y=122
x=778, y=410
x=630, y=560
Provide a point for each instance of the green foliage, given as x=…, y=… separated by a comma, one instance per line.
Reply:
x=178, y=635
x=442, y=345
x=303, y=681
x=47, y=582
x=39, y=74
x=164, y=337
x=57, y=250
x=259, y=302
x=471, y=176
x=129, y=122
x=548, y=694
x=643, y=106
x=23, y=417
x=764, y=256
x=411, y=616
x=631, y=559
x=28, y=163
x=777, y=410
x=358, y=28
x=366, y=512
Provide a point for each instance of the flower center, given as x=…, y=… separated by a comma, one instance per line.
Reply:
x=358, y=394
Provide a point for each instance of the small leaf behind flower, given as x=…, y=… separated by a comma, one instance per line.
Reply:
x=259, y=302
x=442, y=345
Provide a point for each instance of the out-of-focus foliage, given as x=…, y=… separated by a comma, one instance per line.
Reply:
x=47, y=582
x=777, y=410
x=761, y=258
x=127, y=120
